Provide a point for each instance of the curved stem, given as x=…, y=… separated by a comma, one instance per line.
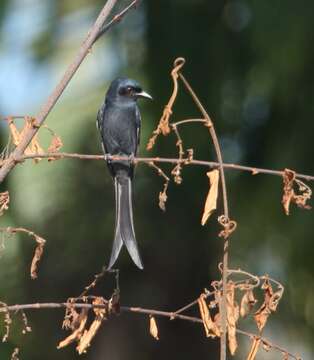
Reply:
x=223, y=305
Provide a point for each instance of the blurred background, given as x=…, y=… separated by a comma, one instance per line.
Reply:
x=251, y=63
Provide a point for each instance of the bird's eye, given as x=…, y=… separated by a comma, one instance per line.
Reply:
x=126, y=91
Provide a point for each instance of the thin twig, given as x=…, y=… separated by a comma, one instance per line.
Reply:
x=211, y=164
x=92, y=35
x=138, y=310
x=186, y=121
x=116, y=18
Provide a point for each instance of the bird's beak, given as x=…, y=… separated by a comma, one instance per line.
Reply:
x=144, y=94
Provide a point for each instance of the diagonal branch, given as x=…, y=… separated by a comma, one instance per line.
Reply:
x=92, y=36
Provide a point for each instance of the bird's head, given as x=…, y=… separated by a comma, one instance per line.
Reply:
x=126, y=90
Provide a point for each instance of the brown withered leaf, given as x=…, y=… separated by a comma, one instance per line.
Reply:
x=37, y=255
x=7, y=321
x=15, y=134
x=210, y=326
x=163, y=197
x=55, y=146
x=266, y=345
x=34, y=147
x=15, y=354
x=26, y=327
x=153, y=329
x=232, y=317
x=254, y=348
x=211, y=200
x=289, y=194
x=4, y=201
x=247, y=303
x=114, y=303
x=88, y=335
x=78, y=326
x=271, y=300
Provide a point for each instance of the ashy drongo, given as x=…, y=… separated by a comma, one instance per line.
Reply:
x=119, y=123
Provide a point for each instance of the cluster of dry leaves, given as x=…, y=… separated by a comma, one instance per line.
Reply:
x=300, y=196
x=245, y=307
x=16, y=136
x=77, y=321
x=34, y=148
x=7, y=325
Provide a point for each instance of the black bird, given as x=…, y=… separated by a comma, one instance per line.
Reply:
x=119, y=123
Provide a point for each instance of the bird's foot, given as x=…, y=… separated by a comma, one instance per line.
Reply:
x=131, y=159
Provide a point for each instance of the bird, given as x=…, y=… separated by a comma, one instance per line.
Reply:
x=119, y=124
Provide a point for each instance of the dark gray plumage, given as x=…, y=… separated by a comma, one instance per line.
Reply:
x=119, y=123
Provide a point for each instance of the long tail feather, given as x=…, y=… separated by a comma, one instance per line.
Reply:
x=124, y=230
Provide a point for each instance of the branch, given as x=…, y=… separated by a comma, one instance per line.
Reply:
x=96, y=30
x=212, y=131
x=138, y=310
x=211, y=164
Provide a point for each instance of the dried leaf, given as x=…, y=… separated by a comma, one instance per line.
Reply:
x=15, y=134
x=4, y=201
x=7, y=321
x=153, y=329
x=247, y=303
x=232, y=318
x=88, y=335
x=34, y=147
x=37, y=255
x=55, y=146
x=15, y=354
x=163, y=197
x=114, y=303
x=266, y=345
x=290, y=196
x=211, y=200
x=26, y=327
x=77, y=326
x=254, y=348
x=211, y=328
x=269, y=305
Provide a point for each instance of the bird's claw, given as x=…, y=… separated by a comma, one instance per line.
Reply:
x=131, y=159
x=108, y=157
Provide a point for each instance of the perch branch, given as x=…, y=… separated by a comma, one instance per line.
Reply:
x=211, y=164
x=138, y=310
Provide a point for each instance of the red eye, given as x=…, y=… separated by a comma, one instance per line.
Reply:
x=128, y=90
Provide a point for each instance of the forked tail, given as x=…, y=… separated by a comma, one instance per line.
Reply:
x=124, y=228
